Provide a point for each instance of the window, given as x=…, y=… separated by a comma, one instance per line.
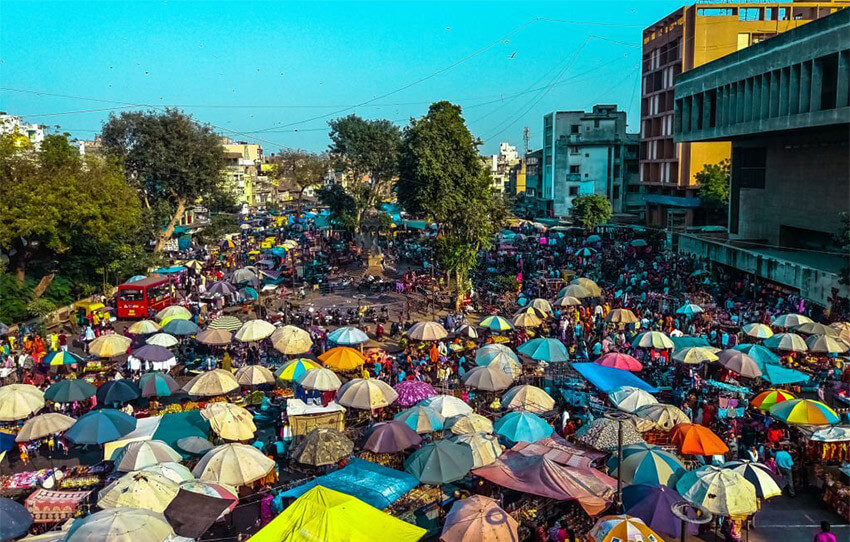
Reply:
x=596, y=123
x=131, y=295
x=616, y=192
x=573, y=191
x=586, y=175
x=574, y=128
x=574, y=150
x=749, y=164
x=574, y=169
x=829, y=80
x=715, y=12
x=587, y=155
x=748, y=14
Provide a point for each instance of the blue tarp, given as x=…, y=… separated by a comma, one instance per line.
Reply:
x=686, y=341
x=779, y=375
x=177, y=425
x=608, y=378
x=376, y=485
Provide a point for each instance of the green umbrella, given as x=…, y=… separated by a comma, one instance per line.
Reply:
x=68, y=391
x=440, y=462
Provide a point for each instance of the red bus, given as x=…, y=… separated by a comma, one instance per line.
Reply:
x=140, y=298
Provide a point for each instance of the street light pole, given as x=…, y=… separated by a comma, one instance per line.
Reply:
x=619, y=417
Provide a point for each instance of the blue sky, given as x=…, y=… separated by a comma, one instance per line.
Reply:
x=262, y=70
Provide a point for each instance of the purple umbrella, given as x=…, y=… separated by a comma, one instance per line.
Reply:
x=411, y=392
x=653, y=505
x=152, y=353
x=391, y=437
x=221, y=288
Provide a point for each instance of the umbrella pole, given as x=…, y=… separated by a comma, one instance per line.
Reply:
x=619, y=464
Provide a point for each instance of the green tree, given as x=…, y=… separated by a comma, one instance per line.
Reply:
x=591, y=210
x=301, y=169
x=442, y=179
x=368, y=151
x=713, y=181
x=341, y=206
x=169, y=157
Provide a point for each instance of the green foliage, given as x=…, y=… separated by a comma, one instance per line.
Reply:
x=40, y=307
x=341, y=205
x=301, y=169
x=220, y=225
x=713, y=180
x=591, y=210
x=14, y=296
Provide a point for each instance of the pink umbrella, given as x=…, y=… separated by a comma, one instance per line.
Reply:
x=618, y=360
x=391, y=437
x=411, y=392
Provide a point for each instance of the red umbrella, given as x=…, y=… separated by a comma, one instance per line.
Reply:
x=618, y=360
x=391, y=437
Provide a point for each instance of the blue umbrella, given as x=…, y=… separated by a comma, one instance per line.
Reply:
x=544, y=349
x=347, y=336
x=440, y=462
x=653, y=504
x=157, y=385
x=421, y=419
x=170, y=270
x=99, y=426
x=60, y=357
x=585, y=252
x=15, y=519
x=689, y=309
x=179, y=326
x=68, y=391
x=249, y=293
x=118, y=391
x=759, y=353
x=522, y=427
x=593, y=239
x=647, y=464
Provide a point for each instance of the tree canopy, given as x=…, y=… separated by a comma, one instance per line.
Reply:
x=301, y=169
x=713, y=181
x=591, y=210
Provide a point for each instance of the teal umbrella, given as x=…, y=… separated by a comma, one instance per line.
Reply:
x=544, y=349
x=61, y=357
x=157, y=385
x=647, y=464
x=759, y=353
x=522, y=426
x=68, y=391
x=421, y=419
x=178, y=326
x=440, y=462
x=689, y=309
x=100, y=426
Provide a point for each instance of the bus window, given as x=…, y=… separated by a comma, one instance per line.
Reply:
x=131, y=295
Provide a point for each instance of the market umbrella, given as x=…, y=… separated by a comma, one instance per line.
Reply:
x=210, y=383
x=109, y=345
x=758, y=474
x=790, y=342
x=527, y=319
x=758, y=331
x=194, y=265
x=835, y=433
x=427, y=331
x=567, y=301
x=491, y=353
x=790, y=320
x=348, y=336
x=653, y=339
x=485, y=448
x=720, y=491
x=156, y=384
x=254, y=330
x=421, y=419
x=766, y=399
x=194, y=445
x=759, y=353
x=226, y=323
x=100, y=426
x=843, y=330
x=291, y=340
x=366, y=394
x=825, y=344
x=465, y=424
x=139, y=490
x=61, y=357
x=778, y=375
x=654, y=505
x=118, y=391
x=164, y=340
x=447, y=405
x=647, y=464
x=229, y=421
x=411, y=392
x=496, y=323
x=172, y=470
x=542, y=306
x=214, y=337
x=478, y=518
x=233, y=464
x=17, y=401
x=602, y=434
x=322, y=446
x=391, y=437
x=621, y=316
x=320, y=379
x=527, y=397
x=522, y=426
x=295, y=369
x=152, y=353
x=689, y=309
x=804, y=412
x=244, y=275
x=664, y=417
x=254, y=375
x=15, y=519
x=587, y=284
x=544, y=349
x=618, y=360
x=622, y=528
x=629, y=399
x=342, y=358
x=487, y=378
x=192, y=514
x=181, y=327
x=121, y=525
x=221, y=288
x=173, y=312
x=137, y=455
x=44, y=425
x=68, y=391
x=740, y=363
x=214, y=489
x=696, y=439
x=816, y=328
x=694, y=355
x=439, y=462
x=467, y=330
x=576, y=291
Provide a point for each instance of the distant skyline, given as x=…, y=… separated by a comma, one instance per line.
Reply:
x=274, y=73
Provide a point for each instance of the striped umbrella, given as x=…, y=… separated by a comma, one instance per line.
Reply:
x=759, y=475
x=653, y=339
x=843, y=330
x=647, y=464
x=664, y=417
x=496, y=323
x=172, y=312
x=629, y=399
x=421, y=419
x=621, y=316
x=825, y=344
x=61, y=358
x=720, y=491
x=758, y=331
x=567, y=301
x=766, y=399
x=694, y=355
x=804, y=412
x=227, y=323
x=294, y=369
x=790, y=342
x=157, y=385
x=788, y=321
x=815, y=328
x=622, y=528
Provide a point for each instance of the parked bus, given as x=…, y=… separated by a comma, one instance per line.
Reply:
x=144, y=297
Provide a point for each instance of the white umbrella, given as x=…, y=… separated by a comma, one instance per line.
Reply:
x=629, y=399
x=163, y=339
x=121, y=525
x=233, y=464
x=427, y=331
x=254, y=330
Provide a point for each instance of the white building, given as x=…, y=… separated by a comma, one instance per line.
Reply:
x=499, y=165
x=10, y=124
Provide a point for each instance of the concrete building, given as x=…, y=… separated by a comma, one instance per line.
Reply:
x=585, y=153
x=687, y=38
x=242, y=173
x=784, y=108
x=11, y=124
x=499, y=165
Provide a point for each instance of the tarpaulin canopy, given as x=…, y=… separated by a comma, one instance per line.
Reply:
x=178, y=425
x=779, y=375
x=686, y=341
x=371, y=483
x=608, y=378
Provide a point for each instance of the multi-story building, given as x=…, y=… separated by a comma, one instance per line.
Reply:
x=687, y=38
x=242, y=167
x=11, y=124
x=516, y=178
x=784, y=108
x=499, y=165
x=585, y=153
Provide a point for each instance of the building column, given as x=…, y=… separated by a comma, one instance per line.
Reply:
x=842, y=98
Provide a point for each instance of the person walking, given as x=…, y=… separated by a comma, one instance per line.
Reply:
x=786, y=464
x=824, y=535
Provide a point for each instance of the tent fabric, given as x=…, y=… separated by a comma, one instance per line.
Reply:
x=373, y=484
x=779, y=376
x=178, y=425
x=322, y=514
x=686, y=341
x=608, y=379
x=191, y=513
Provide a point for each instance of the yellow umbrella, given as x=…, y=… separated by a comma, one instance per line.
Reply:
x=663, y=416
x=44, y=425
x=621, y=316
x=295, y=368
x=254, y=330
x=622, y=528
x=588, y=285
x=342, y=358
x=194, y=265
x=136, y=489
x=694, y=355
x=542, y=306
x=215, y=382
x=143, y=327
x=843, y=330
x=527, y=397
x=567, y=301
x=574, y=290
x=17, y=401
x=254, y=375
x=487, y=378
x=109, y=345
x=291, y=340
x=825, y=344
x=229, y=421
x=527, y=319
x=174, y=311
x=366, y=394
x=233, y=464
x=468, y=423
x=485, y=448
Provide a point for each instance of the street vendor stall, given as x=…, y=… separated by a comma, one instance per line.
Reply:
x=303, y=418
x=48, y=506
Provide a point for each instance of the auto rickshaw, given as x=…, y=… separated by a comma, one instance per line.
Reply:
x=90, y=312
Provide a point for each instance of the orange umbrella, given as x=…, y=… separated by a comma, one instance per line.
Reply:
x=692, y=438
x=342, y=358
x=768, y=398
